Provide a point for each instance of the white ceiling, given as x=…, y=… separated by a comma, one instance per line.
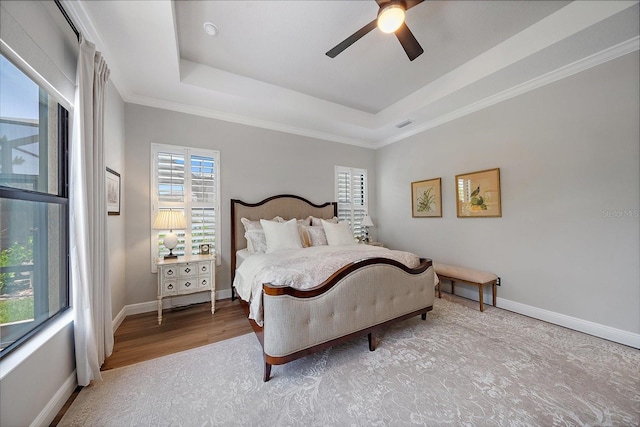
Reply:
x=267, y=66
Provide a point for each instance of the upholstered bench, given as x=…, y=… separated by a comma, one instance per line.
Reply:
x=470, y=276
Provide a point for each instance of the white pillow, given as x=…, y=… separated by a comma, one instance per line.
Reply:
x=281, y=235
x=338, y=234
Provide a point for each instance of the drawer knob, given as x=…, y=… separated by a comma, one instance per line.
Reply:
x=204, y=268
x=170, y=287
x=169, y=272
x=187, y=269
x=187, y=284
x=204, y=282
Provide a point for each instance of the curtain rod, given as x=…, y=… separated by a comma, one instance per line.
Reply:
x=66, y=16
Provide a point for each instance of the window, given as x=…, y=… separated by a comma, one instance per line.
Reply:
x=187, y=180
x=352, y=197
x=34, y=250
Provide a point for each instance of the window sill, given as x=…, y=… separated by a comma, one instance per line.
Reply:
x=17, y=356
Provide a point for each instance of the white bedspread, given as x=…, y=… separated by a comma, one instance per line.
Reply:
x=303, y=269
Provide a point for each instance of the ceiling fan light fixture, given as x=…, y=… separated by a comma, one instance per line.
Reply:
x=391, y=17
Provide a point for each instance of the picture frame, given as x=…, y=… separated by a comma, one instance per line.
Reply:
x=205, y=249
x=478, y=194
x=113, y=192
x=426, y=198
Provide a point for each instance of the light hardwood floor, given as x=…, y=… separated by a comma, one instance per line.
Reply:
x=140, y=338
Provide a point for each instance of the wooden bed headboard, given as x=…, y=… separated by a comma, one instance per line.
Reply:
x=287, y=206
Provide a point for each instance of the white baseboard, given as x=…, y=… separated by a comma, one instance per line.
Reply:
x=46, y=416
x=169, y=302
x=602, y=331
x=119, y=318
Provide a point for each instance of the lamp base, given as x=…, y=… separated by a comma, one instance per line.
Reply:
x=170, y=256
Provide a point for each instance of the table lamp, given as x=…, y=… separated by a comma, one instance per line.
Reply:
x=170, y=220
x=366, y=223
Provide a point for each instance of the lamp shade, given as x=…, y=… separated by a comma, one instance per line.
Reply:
x=366, y=221
x=169, y=220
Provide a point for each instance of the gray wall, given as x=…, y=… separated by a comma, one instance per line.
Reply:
x=255, y=163
x=568, y=153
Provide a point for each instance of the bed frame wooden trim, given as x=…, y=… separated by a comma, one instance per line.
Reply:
x=354, y=274
x=270, y=289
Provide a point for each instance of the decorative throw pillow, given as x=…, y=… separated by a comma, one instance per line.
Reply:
x=281, y=235
x=317, y=222
x=316, y=236
x=255, y=225
x=338, y=234
x=304, y=236
x=256, y=241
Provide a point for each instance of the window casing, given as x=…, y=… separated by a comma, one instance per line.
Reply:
x=352, y=197
x=34, y=218
x=186, y=179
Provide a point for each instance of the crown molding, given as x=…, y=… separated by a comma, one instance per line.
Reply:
x=584, y=64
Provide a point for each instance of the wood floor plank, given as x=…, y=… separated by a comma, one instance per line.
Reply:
x=140, y=338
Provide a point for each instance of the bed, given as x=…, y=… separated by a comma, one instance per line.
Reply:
x=366, y=294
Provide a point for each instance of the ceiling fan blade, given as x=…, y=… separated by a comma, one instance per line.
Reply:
x=412, y=3
x=351, y=39
x=409, y=42
x=408, y=3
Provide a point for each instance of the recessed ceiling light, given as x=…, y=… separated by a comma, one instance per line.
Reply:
x=210, y=28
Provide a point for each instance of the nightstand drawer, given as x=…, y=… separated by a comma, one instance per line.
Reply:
x=204, y=268
x=187, y=285
x=188, y=269
x=170, y=287
x=204, y=282
x=169, y=272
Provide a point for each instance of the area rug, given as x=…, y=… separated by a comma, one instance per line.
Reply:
x=459, y=367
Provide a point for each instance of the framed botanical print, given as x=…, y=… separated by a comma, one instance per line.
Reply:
x=426, y=198
x=478, y=194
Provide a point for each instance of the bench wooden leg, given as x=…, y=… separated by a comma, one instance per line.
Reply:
x=439, y=288
x=480, y=298
x=494, y=294
x=453, y=288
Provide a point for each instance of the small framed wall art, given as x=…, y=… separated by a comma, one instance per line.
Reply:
x=478, y=194
x=113, y=192
x=426, y=198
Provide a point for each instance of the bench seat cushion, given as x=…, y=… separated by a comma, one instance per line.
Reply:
x=464, y=273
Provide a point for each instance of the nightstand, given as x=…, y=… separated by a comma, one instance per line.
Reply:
x=186, y=275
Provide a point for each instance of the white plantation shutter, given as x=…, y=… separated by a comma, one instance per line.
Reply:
x=352, y=197
x=186, y=179
x=170, y=177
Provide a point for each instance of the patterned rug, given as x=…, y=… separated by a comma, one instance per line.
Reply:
x=459, y=367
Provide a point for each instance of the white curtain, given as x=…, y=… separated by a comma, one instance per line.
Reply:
x=93, y=327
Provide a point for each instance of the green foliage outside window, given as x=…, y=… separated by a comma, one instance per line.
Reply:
x=20, y=253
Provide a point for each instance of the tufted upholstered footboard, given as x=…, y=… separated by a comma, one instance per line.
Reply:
x=357, y=300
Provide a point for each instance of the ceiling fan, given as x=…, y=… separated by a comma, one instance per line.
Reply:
x=390, y=20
